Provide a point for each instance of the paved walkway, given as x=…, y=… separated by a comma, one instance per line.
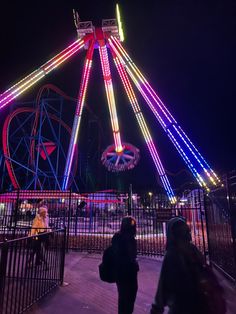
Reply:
x=87, y=294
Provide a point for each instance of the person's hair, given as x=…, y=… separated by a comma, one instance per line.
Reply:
x=128, y=225
x=181, y=231
x=177, y=232
x=42, y=209
x=82, y=205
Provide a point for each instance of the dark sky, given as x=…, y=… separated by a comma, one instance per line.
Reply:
x=185, y=48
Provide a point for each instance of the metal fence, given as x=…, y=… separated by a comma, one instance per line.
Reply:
x=22, y=281
x=87, y=223
x=221, y=218
x=92, y=219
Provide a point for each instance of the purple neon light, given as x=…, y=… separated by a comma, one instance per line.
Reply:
x=143, y=126
x=161, y=105
x=165, y=118
x=78, y=113
x=24, y=84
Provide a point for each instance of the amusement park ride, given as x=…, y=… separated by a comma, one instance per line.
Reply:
x=119, y=156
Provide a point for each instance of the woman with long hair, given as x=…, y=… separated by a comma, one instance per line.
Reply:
x=186, y=285
x=125, y=251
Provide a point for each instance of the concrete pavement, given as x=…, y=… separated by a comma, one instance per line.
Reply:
x=87, y=294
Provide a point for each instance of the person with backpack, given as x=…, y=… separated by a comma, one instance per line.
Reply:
x=126, y=266
x=186, y=284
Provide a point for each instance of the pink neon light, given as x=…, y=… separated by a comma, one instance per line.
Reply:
x=19, y=89
x=166, y=119
x=145, y=82
x=78, y=113
x=35, y=76
x=110, y=95
x=52, y=194
x=145, y=131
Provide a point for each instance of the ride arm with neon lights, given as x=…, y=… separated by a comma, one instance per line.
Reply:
x=143, y=127
x=110, y=93
x=17, y=89
x=78, y=114
x=194, y=160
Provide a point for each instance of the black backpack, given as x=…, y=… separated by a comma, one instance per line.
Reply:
x=107, y=269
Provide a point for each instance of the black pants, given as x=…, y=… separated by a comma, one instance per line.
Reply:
x=127, y=291
x=38, y=248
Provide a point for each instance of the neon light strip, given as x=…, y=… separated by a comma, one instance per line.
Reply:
x=142, y=79
x=214, y=174
x=196, y=154
x=120, y=28
x=110, y=96
x=53, y=194
x=172, y=138
x=144, y=128
x=190, y=154
x=138, y=85
x=24, y=84
x=78, y=114
x=21, y=81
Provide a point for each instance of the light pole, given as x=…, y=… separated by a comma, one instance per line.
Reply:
x=150, y=197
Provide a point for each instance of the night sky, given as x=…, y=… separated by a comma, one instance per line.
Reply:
x=185, y=48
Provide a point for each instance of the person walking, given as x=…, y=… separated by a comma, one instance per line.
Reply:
x=186, y=284
x=125, y=252
x=39, y=227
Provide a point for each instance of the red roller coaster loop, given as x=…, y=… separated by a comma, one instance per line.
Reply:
x=6, y=144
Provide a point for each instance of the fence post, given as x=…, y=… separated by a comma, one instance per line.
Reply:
x=130, y=200
x=3, y=268
x=207, y=226
x=16, y=211
x=232, y=216
x=69, y=220
x=202, y=214
x=91, y=207
x=76, y=217
x=63, y=252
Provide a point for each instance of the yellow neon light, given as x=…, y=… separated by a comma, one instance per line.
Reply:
x=120, y=28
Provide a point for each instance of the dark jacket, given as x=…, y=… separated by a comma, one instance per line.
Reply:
x=177, y=287
x=125, y=248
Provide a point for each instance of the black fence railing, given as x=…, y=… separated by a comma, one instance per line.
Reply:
x=221, y=218
x=88, y=222
x=92, y=219
x=11, y=233
x=30, y=267
x=93, y=232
